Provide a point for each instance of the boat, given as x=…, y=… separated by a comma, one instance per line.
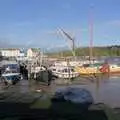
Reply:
x=10, y=66
x=87, y=69
x=114, y=68
x=10, y=78
x=38, y=69
x=10, y=72
x=64, y=72
x=98, y=68
x=114, y=64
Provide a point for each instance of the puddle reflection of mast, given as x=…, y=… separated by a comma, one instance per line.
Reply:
x=97, y=87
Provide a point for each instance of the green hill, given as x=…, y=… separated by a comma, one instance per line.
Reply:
x=84, y=51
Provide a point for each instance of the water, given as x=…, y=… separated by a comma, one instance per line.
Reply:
x=105, y=90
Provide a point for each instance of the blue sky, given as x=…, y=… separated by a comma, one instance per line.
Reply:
x=36, y=22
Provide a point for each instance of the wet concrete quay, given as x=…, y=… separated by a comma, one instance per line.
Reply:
x=103, y=89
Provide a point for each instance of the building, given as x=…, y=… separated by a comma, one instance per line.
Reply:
x=0, y=56
x=33, y=52
x=11, y=52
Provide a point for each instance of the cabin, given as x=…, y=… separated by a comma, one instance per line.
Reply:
x=33, y=52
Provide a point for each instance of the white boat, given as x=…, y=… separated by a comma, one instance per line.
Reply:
x=10, y=72
x=37, y=69
x=10, y=78
x=114, y=68
x=10, y=66
x=64, y=72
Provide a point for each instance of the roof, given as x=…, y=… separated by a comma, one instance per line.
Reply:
x=35, y=49
x=10, y=49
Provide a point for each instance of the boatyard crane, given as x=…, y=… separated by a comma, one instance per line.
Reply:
x=71, y=40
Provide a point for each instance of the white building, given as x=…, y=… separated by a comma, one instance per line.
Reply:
x=11, y=52
x=33, y=52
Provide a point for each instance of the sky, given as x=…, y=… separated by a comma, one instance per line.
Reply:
x=36, y=23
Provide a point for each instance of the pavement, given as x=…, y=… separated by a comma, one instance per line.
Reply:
x=17, y=98
x=22, y=92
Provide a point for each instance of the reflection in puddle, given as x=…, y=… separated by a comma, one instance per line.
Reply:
x=104, y=89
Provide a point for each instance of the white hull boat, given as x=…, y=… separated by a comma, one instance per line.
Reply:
x=64, y=72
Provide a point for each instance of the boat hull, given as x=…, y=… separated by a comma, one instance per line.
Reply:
x=90, y=70
x=66, y=75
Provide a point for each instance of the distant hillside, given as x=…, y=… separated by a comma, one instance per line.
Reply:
x=97, y=51
x=57, y=49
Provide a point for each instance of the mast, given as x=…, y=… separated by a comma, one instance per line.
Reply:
x=91, y=33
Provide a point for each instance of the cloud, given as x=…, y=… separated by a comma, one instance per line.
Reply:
x=53, y=36
x=5, y=43
x=42, y=38
x=56, y=31
x=114, y=22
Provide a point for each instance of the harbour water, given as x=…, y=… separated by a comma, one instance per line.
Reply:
x=103, y=89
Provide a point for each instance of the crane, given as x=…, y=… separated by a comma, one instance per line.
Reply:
x=71, y=41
